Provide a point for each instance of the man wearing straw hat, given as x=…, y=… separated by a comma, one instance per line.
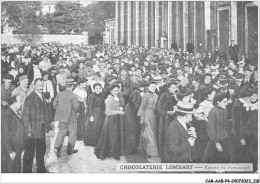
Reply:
x=180, y=136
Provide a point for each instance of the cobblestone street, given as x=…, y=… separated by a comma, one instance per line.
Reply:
x=84, y=161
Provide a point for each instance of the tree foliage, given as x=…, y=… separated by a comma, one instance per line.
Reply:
x=23, y=16
x=66, y=18
x=69, y=17
x=95, y=14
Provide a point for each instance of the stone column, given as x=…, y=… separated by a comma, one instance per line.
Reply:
x=122, y=22
x=152, y=24
x=169, y=24
x=185, y=24
x=129, y=20
x=195, y=27
x=178, y=34
x=234, y=21
x=137, y=23
x=156, y=26
x=116, y=23
x=146, y=24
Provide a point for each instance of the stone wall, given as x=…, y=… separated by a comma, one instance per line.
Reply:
x=76, y=39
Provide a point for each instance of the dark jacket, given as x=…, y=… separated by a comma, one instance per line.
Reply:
x=35, y=115
x=217, y=124
x=240, y=120
x=189, y=47
x=66, y=103
x=177, y=148
x=6, y=93
x=13, y=134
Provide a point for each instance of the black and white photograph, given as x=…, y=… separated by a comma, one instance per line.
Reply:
x=130, y=88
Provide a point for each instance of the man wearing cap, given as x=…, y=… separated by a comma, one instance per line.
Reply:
x=6, y=89
x=186, y=71
x=233, y=50
x=66, y=104
x=22, y=90
x=247, y=81
x=137, y=77
x=180, y=136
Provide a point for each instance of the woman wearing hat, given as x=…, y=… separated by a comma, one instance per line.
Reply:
x=180, y=136
x=217, y=150
x=95, y=115
x=82, y=98
x=109, y=142
x=165, y=108
x=20, y=73
x=148, y=143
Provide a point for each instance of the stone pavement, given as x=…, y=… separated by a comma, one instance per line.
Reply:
x=85, y=161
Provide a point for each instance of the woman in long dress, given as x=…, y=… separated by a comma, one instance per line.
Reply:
x=132, y=123
x=82, y=98
x=148, y=143
x=95, y=115
x=217, y=150
x=109, y=143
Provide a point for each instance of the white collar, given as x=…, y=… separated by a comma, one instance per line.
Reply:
x=183, y=124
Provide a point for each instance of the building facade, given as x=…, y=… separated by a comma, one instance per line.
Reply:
x=48, y=7
x=109, y=34
x=208, y=24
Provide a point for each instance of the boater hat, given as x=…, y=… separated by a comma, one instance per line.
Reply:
x=184, y=107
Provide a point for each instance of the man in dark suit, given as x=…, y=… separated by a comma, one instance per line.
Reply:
x=180, y=136
x=35, y=118
x=174, y=45
x=233, y=51
x=186, y=71
x=248, y=80
x=190, y=47
x=13, y=137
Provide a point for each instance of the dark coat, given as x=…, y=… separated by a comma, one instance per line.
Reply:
x=6, y=93
x=240, y=118
x=35, y=115
x=190, y=47
x=66, y=104
x=13, y=139
x=177, y=148
x=165, y=103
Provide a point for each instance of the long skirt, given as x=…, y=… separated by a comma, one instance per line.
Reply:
x=81, y=130
x=212, y=155
x=165, y=121
x=132, y=130
x=202, y=139
x=148, y=143
x=109, y=142
x=94, y=129
x=240, y=154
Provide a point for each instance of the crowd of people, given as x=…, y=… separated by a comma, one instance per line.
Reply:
x=179, y=105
